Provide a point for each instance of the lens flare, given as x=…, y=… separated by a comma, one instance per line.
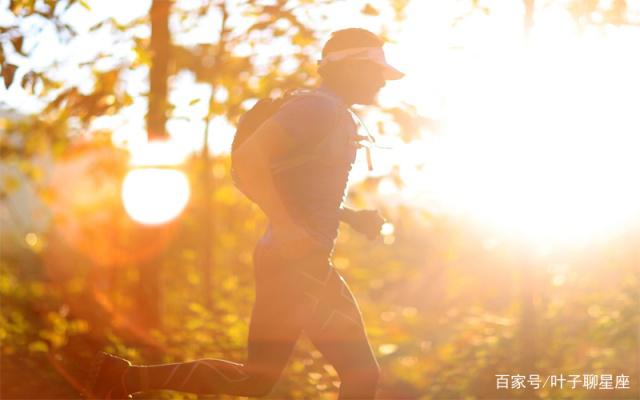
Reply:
x=153, y=196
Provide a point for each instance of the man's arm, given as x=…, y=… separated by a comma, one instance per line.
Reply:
x=300, y=122
x=253, y=160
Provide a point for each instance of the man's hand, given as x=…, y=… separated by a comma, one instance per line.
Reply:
x=367, y=222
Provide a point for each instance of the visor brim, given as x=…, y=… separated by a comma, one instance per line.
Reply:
x=391, y=73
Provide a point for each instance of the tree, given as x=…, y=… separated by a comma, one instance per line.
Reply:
x=159, y=49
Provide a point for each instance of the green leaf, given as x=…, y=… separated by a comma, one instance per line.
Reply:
x=38, y=345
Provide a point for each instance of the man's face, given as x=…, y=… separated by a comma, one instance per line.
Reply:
x=364, y=80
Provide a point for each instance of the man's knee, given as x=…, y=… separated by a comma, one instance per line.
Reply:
x=368, y=374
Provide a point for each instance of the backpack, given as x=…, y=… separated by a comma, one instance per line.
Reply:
x=251, y=120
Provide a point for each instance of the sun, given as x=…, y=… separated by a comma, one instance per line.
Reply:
x=155, y=191
x=153, y=196
x=540, y=141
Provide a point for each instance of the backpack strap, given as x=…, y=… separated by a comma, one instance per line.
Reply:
x=305, y=156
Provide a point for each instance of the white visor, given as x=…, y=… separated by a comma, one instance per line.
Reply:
x=373, y=54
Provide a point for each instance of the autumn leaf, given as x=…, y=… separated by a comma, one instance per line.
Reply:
x=8, y=73
x=370, y=10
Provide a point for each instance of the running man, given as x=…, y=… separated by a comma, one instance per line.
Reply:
x=297, y=287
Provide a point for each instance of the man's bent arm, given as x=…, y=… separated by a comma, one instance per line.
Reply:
x=253, y=158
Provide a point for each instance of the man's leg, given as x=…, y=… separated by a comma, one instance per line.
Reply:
x=276, y=323
x=336, y=328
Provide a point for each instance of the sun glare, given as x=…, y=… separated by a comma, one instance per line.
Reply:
x=541, y=141
x=154, y=196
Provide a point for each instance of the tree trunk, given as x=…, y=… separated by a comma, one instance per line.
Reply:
x=207, y=178
x=159, y=70
x=208, y=217
x=149, y=270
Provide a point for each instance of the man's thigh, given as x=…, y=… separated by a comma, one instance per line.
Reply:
x=306, y=294
x=334, y=324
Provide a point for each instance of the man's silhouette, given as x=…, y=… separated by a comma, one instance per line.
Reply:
x=297, y=287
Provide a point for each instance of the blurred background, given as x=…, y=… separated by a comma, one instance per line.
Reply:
x=507, y=168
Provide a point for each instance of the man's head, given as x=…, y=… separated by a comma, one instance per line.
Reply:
x=353, y=63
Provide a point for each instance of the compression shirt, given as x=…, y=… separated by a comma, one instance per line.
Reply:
x=313, y=188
